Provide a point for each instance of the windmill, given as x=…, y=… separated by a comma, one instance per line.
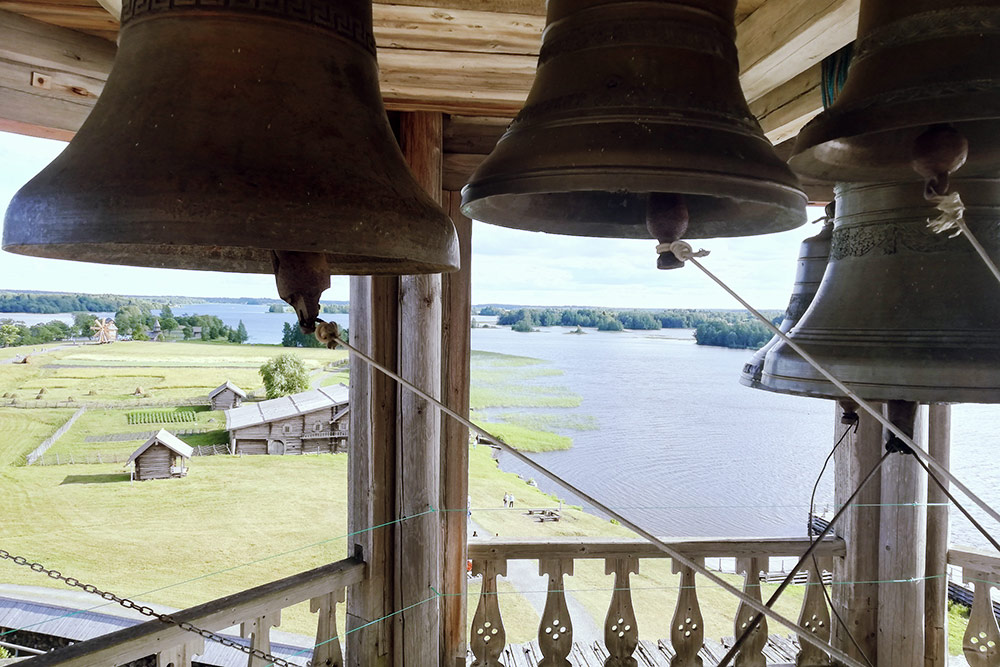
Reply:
x=105, y=329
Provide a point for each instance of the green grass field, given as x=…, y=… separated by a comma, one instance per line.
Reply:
x=23, y=430
x=96, y=423
x=161, y=371
x=231, y=524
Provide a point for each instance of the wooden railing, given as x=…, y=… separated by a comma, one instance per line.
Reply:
x=256, y=610
x=981, y=644
x=622, y=558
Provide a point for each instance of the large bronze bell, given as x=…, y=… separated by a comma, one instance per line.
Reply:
x=902, y=313
x=635, y=102
x=814, y=253
x=230, y=130
x=915, y=64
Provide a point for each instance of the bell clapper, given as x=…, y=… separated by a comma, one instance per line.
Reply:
x=302, y=277
x=667, y=221
x=849, y=414
x=937, y=153
x=902, y=414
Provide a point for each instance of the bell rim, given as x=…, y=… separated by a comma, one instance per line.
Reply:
x=227, y=259
x=784, y=205
x=826, y=131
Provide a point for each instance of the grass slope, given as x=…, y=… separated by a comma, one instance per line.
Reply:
x=231, y=524
x=23, y=430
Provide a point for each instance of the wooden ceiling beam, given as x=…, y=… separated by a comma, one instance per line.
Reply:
x=479, y=84
x=783, y=111
x=462, y=30
x=50, y=77
x=784, y=38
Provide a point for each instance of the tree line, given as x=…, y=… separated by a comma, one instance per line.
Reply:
x=46, y=302
x=22, y=302
x=292, y=336
x=724, y=328
x=749, y=334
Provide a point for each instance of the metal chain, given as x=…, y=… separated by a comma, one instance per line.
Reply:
x=147, y=611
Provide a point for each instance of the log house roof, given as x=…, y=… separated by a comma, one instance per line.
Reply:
x=168, y=440
x=274, y=409
x=227, y=385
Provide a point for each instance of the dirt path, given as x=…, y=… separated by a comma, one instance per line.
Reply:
x=17, y=358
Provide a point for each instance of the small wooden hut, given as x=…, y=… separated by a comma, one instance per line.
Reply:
x=161, y=457
x=226, y=396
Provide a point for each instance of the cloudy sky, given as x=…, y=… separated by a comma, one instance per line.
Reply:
x=508, y=266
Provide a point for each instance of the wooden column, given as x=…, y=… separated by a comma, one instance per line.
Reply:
x=456, y=289
x=936, y=589
x=372, y=471
x=857, y=603
x=903, y=548
x=419, y=557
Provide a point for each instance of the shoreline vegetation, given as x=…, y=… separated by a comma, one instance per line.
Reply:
x=133, y=316
x=720, y=328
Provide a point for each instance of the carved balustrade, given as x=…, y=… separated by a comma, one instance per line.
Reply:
x=622, y=559
x=981, y=570
x=255, y=611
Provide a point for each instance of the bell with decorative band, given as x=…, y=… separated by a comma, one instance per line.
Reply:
x=902, y=313
x=232, y=133
x=915, y=65
x=813, y=256
x=636, y=113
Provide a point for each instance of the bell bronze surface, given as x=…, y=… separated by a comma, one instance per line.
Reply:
x=902, y=313
x=915, y=65
x=635, y=103
x=228, y=134
x=814, y=253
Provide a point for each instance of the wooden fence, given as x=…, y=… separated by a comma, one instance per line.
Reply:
x=94, y=458
x=105, y=405
x=38, y=451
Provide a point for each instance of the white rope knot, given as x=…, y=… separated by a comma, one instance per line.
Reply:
x=328, y=333
x=952, y=214
x=682, y=250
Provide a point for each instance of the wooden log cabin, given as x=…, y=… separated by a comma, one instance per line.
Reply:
x=310, y=422
x=163, y=456
x=226, y=396
x=453, y=73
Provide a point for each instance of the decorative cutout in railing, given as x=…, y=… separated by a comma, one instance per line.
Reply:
x=981, y=644
x=621, y=633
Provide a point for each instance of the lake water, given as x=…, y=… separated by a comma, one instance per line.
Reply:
x=682, y=447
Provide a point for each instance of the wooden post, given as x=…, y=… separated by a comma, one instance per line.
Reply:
x=936, y=589
x=857, y=603
x=419, y=557
x=903, y=552
x=372, y=471
x=456, y=290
